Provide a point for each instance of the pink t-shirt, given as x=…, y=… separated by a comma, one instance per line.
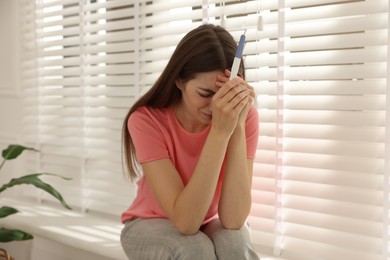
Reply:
x=157, y=134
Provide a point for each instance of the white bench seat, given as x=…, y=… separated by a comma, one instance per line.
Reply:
x=89, y=233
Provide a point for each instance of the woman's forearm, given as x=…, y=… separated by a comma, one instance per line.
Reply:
x=193, y=202
x=235, y=199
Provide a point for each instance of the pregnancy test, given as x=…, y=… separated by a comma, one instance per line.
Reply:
x=237, y=57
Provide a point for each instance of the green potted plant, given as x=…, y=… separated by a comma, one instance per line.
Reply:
x=12, y=152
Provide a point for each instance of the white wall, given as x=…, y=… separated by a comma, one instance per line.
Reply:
x=10, y=110
x=10, y=101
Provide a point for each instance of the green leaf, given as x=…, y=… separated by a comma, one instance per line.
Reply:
x=34, y=180
x=6, y=211
x=8, y=235
x=14, y=150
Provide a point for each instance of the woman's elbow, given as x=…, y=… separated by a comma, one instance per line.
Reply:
x=233, y=220
x=232, y=225
x=187, y=229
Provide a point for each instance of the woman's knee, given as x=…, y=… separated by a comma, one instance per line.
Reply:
x=198, y=246
x=158, y=239
x=231, y=244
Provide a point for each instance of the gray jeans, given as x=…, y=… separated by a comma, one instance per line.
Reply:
x=158, y=239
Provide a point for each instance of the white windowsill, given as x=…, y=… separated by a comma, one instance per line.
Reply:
x=84, y=231
x=95, y=234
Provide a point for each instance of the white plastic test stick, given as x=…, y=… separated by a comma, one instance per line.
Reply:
x=237, y=57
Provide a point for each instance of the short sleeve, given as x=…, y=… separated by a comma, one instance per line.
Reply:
x=148, y=138
x=252, y=132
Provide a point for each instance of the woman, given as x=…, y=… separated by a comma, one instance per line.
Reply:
x=194, y=135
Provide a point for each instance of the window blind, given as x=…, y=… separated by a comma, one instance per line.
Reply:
x=320, y=70
x=83, y=65
x=318, y=186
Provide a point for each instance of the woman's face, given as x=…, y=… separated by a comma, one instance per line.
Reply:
x=194, y=110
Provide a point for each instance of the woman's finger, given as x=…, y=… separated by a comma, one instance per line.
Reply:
x=234, y=99
x=224, y=88
x=221, y=80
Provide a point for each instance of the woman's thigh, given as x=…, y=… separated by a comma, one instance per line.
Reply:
x=230, y=244
x=153, y=239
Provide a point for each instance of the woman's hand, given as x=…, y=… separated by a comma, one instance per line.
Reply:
x=222, y=80
x=229, y=103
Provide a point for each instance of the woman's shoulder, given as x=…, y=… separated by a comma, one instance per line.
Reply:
x=149, y=113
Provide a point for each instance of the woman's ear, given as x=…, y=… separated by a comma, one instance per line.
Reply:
x=179, y=84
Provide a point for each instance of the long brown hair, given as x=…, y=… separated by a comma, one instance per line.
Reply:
x=206, y=48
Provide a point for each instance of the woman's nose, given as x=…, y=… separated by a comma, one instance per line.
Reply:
x=210, y=107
